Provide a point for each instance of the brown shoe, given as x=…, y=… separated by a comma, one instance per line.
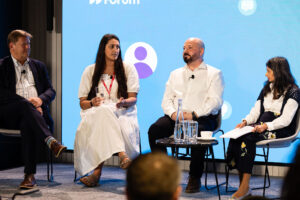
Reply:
x=28, y=182
x=193, y=185
x=57, y=148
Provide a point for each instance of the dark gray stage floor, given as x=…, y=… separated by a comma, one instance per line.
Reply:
x=112, y=185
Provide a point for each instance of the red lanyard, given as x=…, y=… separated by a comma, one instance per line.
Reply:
x=111, y=82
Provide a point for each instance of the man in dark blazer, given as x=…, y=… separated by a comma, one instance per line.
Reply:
x=25, y=95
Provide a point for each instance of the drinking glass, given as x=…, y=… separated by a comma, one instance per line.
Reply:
x=185, y=128
x=192, y=132
x=100, y=92
x=179, y=133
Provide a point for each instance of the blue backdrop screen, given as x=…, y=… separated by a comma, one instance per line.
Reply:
x=240, y=36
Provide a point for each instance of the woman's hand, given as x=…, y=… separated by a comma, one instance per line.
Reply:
x=260, y=128
x=121, y=103
x=126, y=103
x=242, y=124
x=96, y=101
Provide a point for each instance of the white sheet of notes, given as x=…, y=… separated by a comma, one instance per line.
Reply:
x=237, y=132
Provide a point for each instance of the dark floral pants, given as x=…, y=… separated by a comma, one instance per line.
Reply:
x=241, y=151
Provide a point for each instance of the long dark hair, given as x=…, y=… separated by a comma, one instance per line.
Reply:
x=100, y=67
x=282, y=75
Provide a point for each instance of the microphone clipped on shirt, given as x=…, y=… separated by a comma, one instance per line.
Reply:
x=23, y=71
x=192, y=77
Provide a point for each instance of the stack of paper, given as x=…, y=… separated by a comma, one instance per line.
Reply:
x=237, y=132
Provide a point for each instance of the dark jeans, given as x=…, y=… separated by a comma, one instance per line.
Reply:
x=21, y=114
x=164, y=127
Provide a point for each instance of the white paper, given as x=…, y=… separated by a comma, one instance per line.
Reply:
x=237, y=132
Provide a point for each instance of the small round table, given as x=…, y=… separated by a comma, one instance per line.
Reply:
x=169, y=142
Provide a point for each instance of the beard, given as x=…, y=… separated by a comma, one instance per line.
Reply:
x=188, y=58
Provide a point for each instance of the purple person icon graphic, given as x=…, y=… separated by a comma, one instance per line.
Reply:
x=143, y=57
x=142, y=68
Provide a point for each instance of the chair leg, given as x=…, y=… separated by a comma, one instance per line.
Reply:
x=140, y=143
x=215, y=170
x=175, y=151
x=206, y=166
x=75, y=177
x=50, y=169
x=51, y=164
x=227, y=177
x=207, y=154
x=266, y=175
x=226, y=167
x=140, y=148
x=187, y=151
x=266, y=171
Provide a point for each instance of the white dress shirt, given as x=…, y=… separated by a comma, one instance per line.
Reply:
x=201, y=90
x=25, y=85
x=274, y=105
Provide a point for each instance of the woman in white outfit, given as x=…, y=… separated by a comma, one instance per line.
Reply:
x=108, y=94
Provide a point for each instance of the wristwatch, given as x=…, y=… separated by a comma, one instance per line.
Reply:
x=194, y=116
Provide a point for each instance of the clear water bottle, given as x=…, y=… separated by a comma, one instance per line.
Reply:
x=179, y=129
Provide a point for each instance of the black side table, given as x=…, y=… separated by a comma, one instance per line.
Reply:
x=169, y=142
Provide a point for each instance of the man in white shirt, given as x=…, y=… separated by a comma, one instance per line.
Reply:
x=200, y=86
x=25, y=95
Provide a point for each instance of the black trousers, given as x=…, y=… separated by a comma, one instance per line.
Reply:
x=241, y=151
x=21, y=114
x=164, y=127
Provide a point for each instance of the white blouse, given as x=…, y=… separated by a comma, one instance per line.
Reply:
x=274, y=105
x=86, y=82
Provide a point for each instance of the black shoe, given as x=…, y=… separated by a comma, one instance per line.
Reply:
x=193, y=185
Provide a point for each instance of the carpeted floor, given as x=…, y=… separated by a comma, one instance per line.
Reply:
x=112, y=185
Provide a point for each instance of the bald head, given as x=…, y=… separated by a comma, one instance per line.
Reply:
x=197, y=41
x=193, y=50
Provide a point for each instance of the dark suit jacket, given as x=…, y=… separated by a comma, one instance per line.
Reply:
x=42, y=83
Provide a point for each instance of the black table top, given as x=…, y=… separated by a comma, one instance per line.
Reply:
x=169, y=142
